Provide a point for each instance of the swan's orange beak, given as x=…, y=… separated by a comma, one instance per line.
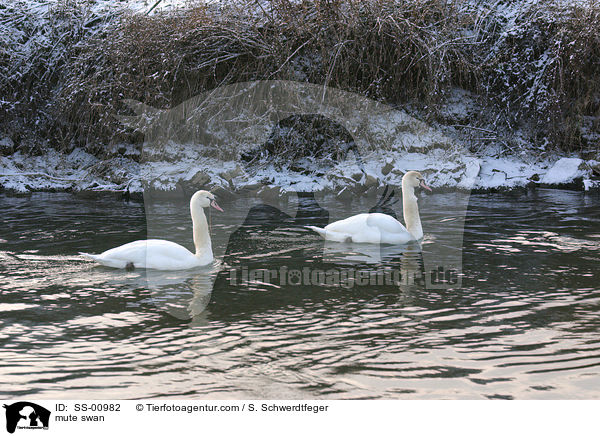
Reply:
x=216, y=206
x=423, y=185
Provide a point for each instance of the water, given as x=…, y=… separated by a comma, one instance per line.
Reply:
x=524, y=323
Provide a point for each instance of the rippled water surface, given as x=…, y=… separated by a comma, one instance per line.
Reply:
x=524, y=322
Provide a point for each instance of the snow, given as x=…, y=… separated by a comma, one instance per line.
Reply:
x=507, y=172
x=397, y=139
x=6, y=145
x=52, y=170
x=442, y=168
x=139, y=6
x=590, y=184
x=564, y=170
x=459, y=106
x=391, y=139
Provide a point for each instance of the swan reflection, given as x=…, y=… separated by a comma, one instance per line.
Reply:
x=398, y=265
x=183, y=294
x=349, y=253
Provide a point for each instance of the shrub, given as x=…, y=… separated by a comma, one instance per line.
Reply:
x=65, y=69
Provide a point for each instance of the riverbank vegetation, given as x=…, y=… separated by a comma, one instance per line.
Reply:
x=527, y=67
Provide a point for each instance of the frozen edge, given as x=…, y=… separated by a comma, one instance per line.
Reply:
x=80, y=171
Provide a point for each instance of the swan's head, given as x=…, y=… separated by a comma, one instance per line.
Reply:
x=414, y=179
x=204, y=199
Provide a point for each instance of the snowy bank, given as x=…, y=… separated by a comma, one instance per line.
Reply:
x=249, y=136
x=80, y=171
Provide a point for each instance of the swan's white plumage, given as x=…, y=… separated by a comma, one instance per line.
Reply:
x=379, y=228
x=371, y=228
x=166, y=255
x=151, y=253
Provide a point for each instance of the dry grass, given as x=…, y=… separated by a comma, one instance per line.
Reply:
x=543, y=74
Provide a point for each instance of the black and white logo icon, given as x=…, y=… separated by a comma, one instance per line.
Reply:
x=26, y=415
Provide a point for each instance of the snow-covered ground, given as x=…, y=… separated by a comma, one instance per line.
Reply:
x=389, y=142
x=442, y=168
x=403, y=144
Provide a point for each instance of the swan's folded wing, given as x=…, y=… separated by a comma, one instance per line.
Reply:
x=151, y=253
x=331, y=235
x=385, y=223
x=90, y=256
x=111, y=262
x=338, y=236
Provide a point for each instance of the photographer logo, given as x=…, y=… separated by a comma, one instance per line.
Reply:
x=25, y=415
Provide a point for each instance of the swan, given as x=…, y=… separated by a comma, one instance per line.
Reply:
x=166, y=255
x=379, y=228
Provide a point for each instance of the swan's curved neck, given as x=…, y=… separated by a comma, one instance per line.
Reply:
x=410, y=210
x=201, y=235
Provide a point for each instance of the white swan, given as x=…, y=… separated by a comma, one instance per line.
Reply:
x=166, y=255
x=379, y=228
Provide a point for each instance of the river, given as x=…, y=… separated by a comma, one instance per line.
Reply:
x=281, y=315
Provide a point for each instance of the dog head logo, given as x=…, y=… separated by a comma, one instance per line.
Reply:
x=26, y=415
x=291, y=150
